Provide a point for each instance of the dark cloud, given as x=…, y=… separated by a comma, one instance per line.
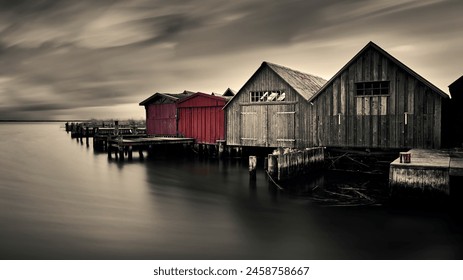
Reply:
x=89, y=58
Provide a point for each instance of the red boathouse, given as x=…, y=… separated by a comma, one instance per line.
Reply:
x=161, y=113
x=200, y=116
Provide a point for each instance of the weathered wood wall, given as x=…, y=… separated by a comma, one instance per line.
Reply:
x=267, y=124
x=410, y=116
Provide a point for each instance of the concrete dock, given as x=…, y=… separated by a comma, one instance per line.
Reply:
x=427, y=171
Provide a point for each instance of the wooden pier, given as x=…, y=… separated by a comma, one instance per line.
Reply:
x=428, y=171
x=121, y=146
x=103, y=136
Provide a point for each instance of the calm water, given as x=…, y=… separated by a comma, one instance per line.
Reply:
x=61, y=200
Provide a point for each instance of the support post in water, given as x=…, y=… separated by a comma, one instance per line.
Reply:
x=116, y=124
x=130, y=153
x=121, y=154
x=272, y=164
x=221, y=148
x=252, y=167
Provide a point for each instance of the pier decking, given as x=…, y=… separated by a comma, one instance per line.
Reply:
x=123, y=146
x=146, y=141
x=428, y=170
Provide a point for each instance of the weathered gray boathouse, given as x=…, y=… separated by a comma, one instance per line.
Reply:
x=375, y=101
x=270, y=110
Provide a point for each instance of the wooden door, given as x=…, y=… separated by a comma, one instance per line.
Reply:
x=253, y=125
x=281, y=126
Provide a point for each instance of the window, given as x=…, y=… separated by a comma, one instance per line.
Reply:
x=372, y=88
x=267, y=96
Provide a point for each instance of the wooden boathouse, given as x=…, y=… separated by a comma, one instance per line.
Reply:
x=161, y=113
x=375, y=101
x=200, y=116
x=270, y=110
x=453, y=117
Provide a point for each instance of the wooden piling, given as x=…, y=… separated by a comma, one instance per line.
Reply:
x=240, y=152
x=220, y=148
x=272, y=165
x=116, y=124
x=252, y=167
x=129, y=150
x=295, y=162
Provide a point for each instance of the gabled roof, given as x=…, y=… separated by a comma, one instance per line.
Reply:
x=229, y=92
x=172, y=96
x=386, y=54
x=220, y=98
x=457, y=85
x=304, y=84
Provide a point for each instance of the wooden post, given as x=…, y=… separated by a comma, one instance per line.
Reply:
x=140, y=153
x=108, y=138
x=272, y=165
x=116, y=124
x=282, y=166
x=237, y=152
x=130, y=152
x=266, y=163
x=221, y=148
x=252, y=167
x=121, y=153
x=300, y=162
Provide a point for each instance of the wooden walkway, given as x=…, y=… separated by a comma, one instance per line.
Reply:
x=123, y=146
x=428, y=170
x=146, y=141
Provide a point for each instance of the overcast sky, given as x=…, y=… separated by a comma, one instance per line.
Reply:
x=98, y=59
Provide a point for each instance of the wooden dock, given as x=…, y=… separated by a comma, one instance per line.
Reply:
x=427, y=171
x=121, y=146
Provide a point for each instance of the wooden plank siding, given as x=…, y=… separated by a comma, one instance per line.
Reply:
x=161, y=113
x=161, y=119
x=410, y=116
x=268, y=124
x=201, y=117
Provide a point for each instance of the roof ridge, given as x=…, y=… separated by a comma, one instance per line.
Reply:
x=294, y=70
x=400, y=64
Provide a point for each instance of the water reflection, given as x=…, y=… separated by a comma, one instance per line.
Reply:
x=71, y=202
